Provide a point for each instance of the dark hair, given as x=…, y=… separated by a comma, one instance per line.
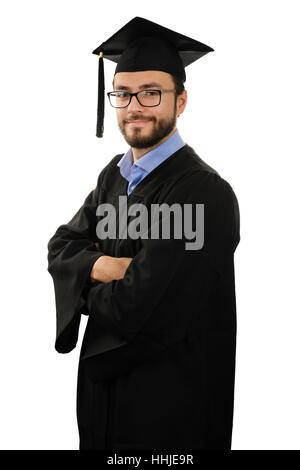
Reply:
x=178, y=84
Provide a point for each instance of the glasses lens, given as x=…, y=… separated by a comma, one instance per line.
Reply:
x=149, y=97
x=119, y=99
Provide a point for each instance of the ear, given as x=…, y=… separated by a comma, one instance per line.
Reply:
x=181, y=102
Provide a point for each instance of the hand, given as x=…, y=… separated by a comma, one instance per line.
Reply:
x=109, y=268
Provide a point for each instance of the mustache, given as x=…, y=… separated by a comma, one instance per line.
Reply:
x=138, y=118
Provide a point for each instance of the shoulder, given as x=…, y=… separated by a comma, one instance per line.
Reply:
x=199, y=181
x=202, y=179
x=214, y=191
x=110, y=169
x=198, y=163
x=220, y=205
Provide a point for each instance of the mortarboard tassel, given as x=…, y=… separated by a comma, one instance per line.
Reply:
x=101, y=88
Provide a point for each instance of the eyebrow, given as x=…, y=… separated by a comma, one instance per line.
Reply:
x=141, y=87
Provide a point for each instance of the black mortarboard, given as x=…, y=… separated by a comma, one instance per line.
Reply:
x=144, y=45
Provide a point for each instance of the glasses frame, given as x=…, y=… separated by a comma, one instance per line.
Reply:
x=136, y=95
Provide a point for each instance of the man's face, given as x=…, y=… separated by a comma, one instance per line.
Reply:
x=151, y=124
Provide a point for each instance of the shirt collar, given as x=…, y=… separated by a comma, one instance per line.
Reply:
x=151, y=159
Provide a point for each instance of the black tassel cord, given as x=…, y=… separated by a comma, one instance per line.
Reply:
x=101, y=89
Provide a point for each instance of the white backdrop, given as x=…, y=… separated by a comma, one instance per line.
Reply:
x=242, y=118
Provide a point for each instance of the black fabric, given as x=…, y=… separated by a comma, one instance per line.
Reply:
x=151, y=53
x=157, y=361
x=189, y=49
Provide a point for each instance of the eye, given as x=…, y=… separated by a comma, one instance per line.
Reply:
x=121, y=94
x=148, y=93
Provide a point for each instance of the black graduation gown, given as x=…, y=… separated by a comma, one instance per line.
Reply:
x=157, y=361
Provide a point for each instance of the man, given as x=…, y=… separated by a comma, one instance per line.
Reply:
x=157, y=361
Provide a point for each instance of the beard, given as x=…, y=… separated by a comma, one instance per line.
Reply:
x=161, y=129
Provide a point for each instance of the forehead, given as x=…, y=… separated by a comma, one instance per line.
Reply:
x=139, y=80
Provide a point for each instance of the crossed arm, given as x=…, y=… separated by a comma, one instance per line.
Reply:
x=109, y=268
x=129, y=289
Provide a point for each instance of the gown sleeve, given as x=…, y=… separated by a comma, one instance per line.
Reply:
x=71, y=255
x=164, y=287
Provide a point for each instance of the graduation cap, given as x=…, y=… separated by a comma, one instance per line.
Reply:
x=144, y=45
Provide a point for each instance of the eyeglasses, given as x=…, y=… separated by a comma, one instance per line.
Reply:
x=148, y=98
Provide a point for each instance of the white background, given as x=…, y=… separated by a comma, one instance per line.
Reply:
x=242, y=118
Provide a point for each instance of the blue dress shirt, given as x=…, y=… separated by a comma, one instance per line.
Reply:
x=135, y=172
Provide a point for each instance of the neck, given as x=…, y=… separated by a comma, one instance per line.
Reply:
x=138, y=153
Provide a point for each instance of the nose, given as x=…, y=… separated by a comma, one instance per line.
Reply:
x=134, y=105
